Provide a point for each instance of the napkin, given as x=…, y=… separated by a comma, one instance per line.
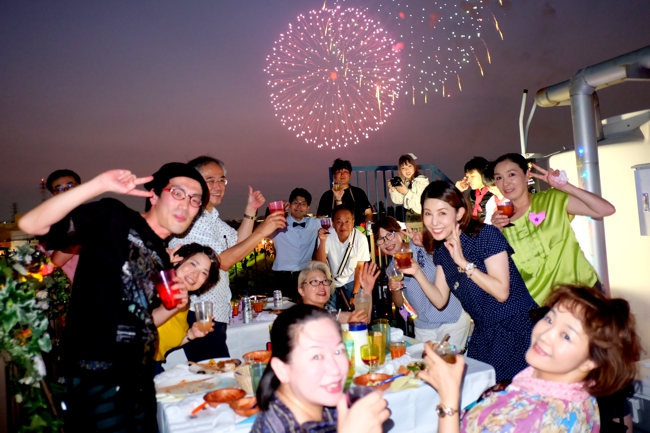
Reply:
x=396, y=334
x=222, y=416
x=391, y=366
x=175, y=375
x=265, y=317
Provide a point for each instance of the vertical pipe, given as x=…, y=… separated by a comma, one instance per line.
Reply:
x=522, y=139
x=584, y=137
x=598, y=121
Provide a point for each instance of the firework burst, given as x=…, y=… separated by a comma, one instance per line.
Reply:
x=441, y=39
x=334, y=77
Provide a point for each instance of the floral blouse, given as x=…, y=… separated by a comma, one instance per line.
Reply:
x=534, y=405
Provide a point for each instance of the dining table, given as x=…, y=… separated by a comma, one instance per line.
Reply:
x=412, y=410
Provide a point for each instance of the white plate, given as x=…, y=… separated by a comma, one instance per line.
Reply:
x=196, y=369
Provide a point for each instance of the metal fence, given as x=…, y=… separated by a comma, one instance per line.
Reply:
x=373, y=179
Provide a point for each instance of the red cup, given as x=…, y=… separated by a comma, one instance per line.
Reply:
x=163, y=281
x=276, y=207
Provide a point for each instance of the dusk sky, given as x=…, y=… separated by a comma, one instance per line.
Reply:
x=97, y=85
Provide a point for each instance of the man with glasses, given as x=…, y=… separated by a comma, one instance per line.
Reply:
x=232, y=246
x=342, y=193
x=294, y=246
x=110, y=337
x=57, y=182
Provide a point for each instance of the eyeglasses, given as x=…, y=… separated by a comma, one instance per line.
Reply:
x=299, y=203
x=223, y=181
x=389, y=237
x=316, y=283
x=179, y=194
x=65, y=187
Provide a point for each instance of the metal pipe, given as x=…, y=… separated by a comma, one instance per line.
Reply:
x=522, y=139
x=598, y=121
x=530, y=119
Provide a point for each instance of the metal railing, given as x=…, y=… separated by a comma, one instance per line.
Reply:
x=373, y=179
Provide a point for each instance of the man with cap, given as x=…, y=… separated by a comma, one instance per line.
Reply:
x=110, y=337
x=294, y=245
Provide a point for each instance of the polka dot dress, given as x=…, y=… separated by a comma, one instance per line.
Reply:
x=209, y=230
x=502, y=330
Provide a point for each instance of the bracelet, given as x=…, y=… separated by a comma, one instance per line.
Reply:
x=445, y=411
x=249, y=217
x=339, y=201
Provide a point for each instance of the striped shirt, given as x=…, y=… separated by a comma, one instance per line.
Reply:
x=429, y=317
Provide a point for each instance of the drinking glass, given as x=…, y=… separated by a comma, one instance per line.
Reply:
x=383, y=326
x=276, y=207
x=370, y=356
x=507, y=207
x=257, y=370
x=355, y=393
x=395, y=274
x=203, y=311
x=397, y=349
x=235, y=308
x=336, y=186
x=447, y=352
x=403, y=258
x=325, y=223
x=378, y=338
x=163, y=282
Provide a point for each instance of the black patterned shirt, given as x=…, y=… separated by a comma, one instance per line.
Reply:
x=279, y=419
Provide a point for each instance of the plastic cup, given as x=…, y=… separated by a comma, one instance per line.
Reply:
x=403, y=258
x=163, y=282
x=276, y=207
x=258, y=306
x=397, y=349
x=203, y=311
x=235, y=308
x=257, y=370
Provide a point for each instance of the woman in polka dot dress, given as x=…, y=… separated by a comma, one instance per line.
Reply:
x=473, y=260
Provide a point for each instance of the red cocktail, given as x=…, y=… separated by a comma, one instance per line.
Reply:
x=163, y=282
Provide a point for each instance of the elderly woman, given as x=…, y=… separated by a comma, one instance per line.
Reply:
x=315, y=284
x=407, y=188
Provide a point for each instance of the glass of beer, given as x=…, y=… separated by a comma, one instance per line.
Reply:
x=336, y=186
x=163, y=282
x=276, y=207
x=403, y=258
x=203, y=311
x=447, y=352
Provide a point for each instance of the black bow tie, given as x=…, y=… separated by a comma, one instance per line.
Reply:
x=295, y=224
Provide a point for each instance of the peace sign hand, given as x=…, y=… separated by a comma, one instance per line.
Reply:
x=416, y=236
x=454, y=247
x=550, y=176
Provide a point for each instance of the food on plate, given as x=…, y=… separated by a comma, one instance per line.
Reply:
x=215, y=367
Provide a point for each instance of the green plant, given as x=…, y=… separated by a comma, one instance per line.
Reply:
x=26, y=288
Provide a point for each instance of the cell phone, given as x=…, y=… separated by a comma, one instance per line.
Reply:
x=396, y=181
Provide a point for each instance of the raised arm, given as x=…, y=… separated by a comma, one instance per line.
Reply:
x=255, y=201
x=321, y=251
x=237, y=252
x=438, y=292
x=581, y=202
x=39, y=220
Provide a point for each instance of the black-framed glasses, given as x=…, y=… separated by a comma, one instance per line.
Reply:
x=223, y=181
x=316, y=283
x=179, y=194
x=66, y=187
x=389, y=237
x=299, y=203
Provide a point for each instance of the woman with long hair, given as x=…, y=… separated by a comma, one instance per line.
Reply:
x=584, y=348
x=473, y=261
x=431, y=323
x=301, y=389
x=546, y=248
x=406, y=188
x=198, y=267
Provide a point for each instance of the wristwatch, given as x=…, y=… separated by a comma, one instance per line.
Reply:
x=445, y=411
x=469, y=268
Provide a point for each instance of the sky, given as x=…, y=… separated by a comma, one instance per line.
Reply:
x=93, y=86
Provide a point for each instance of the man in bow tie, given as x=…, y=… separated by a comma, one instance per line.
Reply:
x=294, y=245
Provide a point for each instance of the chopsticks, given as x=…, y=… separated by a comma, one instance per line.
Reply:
x=444, y=339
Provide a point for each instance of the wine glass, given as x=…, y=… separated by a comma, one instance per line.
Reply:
x=506, y=207
x=325, y=223
x=370, y=356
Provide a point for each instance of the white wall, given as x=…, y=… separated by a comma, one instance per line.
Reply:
x=627, y=143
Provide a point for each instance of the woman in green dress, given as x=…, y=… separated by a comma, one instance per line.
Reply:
x=546, y=248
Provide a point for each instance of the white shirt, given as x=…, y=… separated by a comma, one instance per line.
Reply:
x=336, y=249
x=210, y=231
x=490, y=208
x=294, y=246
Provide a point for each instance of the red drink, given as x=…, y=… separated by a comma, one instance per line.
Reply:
x=507, y=208
x=276, y=207
x=235, y=309
x=370, y=360
x=403, y=258
x=397, y=349
x=325, y=223
x=163, y=284
x=258, y=306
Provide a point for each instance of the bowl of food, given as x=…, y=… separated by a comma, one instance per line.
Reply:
x=246, y=406
x=226, y=395
x=257, y=356
x=372, y=379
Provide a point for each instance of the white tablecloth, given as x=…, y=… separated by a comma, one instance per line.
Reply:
x=412, y=410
